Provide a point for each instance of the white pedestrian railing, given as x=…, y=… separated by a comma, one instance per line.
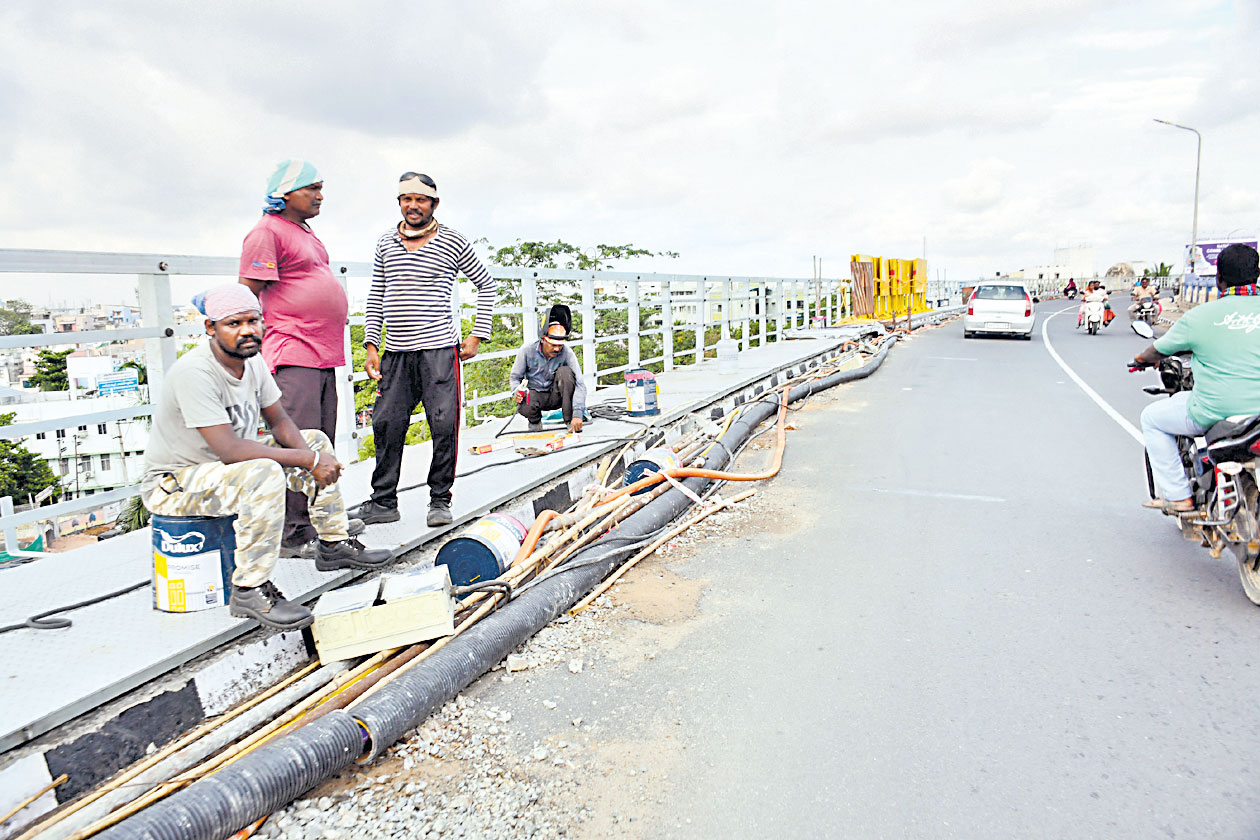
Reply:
x=617, y=314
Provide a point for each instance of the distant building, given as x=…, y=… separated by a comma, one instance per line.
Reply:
x=93, y=457
x=1074, y=262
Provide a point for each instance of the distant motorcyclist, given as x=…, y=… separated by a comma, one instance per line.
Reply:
x=1224, y=336
x=1142, y=294
x=1094, y=293
x=1069, y=291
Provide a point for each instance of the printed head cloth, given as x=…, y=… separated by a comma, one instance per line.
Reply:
x=291, y=175
x=414, y=186
x=228, y=299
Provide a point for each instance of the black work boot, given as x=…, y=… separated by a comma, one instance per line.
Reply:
x=350, y=554
x=268, y=606
x=307, y=550
x=439, y=514
x=373, y=513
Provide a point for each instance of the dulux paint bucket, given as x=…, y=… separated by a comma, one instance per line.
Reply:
x=193, y=561
x=642, y=395
x=485, y=550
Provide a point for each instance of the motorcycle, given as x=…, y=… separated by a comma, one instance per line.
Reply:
x=1070, y=293
x=1094, y=312
x=1149, y=311
x=1222, y=468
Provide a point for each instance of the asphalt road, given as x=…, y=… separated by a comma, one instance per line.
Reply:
x=962, y=624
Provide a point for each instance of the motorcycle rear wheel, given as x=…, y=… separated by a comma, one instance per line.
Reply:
x=1249, y=530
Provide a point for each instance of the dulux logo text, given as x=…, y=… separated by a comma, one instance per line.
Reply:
x=189, y=543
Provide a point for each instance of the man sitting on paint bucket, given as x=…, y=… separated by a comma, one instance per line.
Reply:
x=546, y=375
x=206, y=458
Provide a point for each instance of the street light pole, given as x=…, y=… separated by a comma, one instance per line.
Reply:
x=1194, y=231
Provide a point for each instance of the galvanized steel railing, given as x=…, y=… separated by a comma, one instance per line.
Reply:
x=683, y=303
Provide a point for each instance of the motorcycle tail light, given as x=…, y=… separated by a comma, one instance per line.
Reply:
x=1255, y=447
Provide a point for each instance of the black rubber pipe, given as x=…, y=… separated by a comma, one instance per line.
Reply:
x=274, y=775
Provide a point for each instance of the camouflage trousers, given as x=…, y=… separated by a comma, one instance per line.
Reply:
x=254, y=491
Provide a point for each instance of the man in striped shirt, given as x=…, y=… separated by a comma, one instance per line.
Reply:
x=413, y=287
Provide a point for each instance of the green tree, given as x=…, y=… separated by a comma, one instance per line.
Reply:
x=22, y=472
x=16, y=319
x=134, y=515
x=141, y=370
x=50, y=370
x=560, y=254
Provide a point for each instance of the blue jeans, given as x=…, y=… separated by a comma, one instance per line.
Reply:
x=1162, y=422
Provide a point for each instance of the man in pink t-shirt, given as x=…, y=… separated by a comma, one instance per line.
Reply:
x=304, y=308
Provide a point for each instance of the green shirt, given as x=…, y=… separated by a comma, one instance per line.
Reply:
x=1224, y=336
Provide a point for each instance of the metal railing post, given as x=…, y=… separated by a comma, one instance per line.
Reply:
x=779, y=310
x=726, y=309
x=763, y=302
x=702, y=304
x=529, y=309
x=10, y=531
x=632, y=323
x=346, y=444
x=667, y=324
x=156, y=311
x=589, y=368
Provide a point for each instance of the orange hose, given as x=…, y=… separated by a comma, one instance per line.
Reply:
x=535, y=533
x=693, y=472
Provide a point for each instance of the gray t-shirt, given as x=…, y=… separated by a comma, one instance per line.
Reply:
x=200, y=392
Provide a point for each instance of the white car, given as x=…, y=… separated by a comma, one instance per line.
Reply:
x=999, y=306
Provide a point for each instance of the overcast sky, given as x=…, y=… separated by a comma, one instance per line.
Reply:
x=746, y=137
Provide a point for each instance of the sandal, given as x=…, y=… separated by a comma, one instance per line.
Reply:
x=1170, y=508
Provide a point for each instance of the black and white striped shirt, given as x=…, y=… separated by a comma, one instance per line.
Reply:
x=412, y=292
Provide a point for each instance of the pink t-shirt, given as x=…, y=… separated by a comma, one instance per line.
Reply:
x=304, y=307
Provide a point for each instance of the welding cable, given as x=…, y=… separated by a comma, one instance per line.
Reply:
x=494, y=584
x=43, y=622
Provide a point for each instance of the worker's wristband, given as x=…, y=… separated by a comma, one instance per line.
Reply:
x=315, y=463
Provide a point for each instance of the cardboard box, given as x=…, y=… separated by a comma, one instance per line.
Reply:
x=417, y=606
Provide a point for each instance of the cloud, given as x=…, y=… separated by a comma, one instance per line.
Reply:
x=981, y=188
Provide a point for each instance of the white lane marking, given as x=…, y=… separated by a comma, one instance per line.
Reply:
x=928, y=494
x=1089, y=392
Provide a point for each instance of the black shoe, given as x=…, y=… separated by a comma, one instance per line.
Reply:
x=351, y=554
x=439, y=514
x=372, y=513
x=268, y=606
x=306, y=550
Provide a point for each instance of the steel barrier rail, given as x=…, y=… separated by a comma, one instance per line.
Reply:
x=774, y=304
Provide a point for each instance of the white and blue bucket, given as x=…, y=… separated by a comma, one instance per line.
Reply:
x=642, y=395
x=193, y=561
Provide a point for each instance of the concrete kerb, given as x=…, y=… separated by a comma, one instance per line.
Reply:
x=96, y=745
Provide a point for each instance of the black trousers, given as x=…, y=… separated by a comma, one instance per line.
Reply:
x=430, y=377
x=560, y=396
x=309, y=397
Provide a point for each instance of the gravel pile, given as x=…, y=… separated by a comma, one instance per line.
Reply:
x=467, y=771
x=721, y=524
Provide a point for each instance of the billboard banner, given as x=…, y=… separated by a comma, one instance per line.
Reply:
x=118, y=383
x=1207, y=252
